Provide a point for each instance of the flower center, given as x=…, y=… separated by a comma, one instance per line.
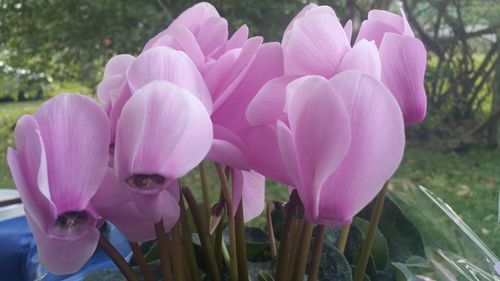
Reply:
x=146, y=182
x=72, y=223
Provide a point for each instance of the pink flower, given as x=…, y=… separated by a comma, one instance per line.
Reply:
x=60, y=159
x=163, y=132
x=316, y=43
x=339, y=140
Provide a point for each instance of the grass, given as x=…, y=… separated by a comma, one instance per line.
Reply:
x=468, y=182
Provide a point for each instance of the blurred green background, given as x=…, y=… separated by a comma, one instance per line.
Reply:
x=51, y=46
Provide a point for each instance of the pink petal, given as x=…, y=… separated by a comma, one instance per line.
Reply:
x=264, y=153
x=212, y=34
x=269, y=103
x=301, y=14
x=118, y=65
x=163, y=130
x=314, y=45
x=227, y=148
x=230, y=78
x=114, y=202
x=63, y=255
x=216, y=75
x=267, y=64
x=375, y=152
x=238, y=39
x=194, y=17
x=163, y=63
x=107, y=86
x=158, y=206
x=363, y=56
x=373, y=30
x=320, y=145
x=28, y=166
x=403, y=61
x=76, y=136
x=248, y=189
x=180, y=38
x=406, y=26
x=396, y=21
x=348, y=30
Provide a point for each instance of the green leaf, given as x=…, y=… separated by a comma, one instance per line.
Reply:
x=257, y=244
x=333, y=265
x=353, y=249
x=403, y=238
x=402, y=273
x=379, y=251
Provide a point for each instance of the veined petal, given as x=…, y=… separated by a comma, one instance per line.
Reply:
x=348, y=30
x=267, y=64
x=163, y=63
x=194, y=17
x=63, y=255
x=249, y=190
x=301, y=14
x=403, y=61
x=373, y=30
x=76, y=135
x=320, y=145
x=28, y=166
x=238, y=38
x=314, y=45
x=269, y=103
x=163, y=130
x=212, y=35
x=118, y=65
x=376, y=149
x=396, y=21
x=363, y=56
x=264, y=153
x=227, y=148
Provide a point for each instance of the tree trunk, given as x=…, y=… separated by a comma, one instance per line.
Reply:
x=493, y=130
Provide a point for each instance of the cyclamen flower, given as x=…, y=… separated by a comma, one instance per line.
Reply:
x=340, y=140
x=316, y=43
x=60, y=159
x=163, y=132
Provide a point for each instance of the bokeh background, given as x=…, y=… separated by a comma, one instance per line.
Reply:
x=53, y=46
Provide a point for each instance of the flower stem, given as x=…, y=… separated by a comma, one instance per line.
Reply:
x=205, y=192
x=117, y=258
x=344, y=233
x=303, y=252
x=285, y=248
x=161, y=239
x=241, y=248
x=233, y=262
x=370, y=235
x=10, y=202
x=177, y=254
x=270, y=232
x=316, y=254
x=141, y=261
x=205, y=240
x=187, y=240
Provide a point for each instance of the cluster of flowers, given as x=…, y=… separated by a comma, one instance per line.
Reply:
x=315, y=113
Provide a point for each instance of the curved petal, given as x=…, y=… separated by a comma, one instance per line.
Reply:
x=248, y=189
x=383, y=16
x=267, y=64
x=194, y=17
x=216, y=77
x=180, y=38
x=227, y=148
x=269, y=103
x=348, y=30
x=156, y=207
x=163, y=63
x=163, y=130
x=238, y=38
x=76, y=136
x=314, y=45
x=403, y=61
x=114, y=202
x=212, y=35
x=28, y=166
x=372, y=30
x=118, y=65
x=375, y=152
x=320, y=145
x=63, y=255
x=107, y=86
x=301, y=14
x=363, y=56
x=264, y=152
x=406, y=25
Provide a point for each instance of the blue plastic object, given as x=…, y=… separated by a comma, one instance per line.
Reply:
x=19, y=259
